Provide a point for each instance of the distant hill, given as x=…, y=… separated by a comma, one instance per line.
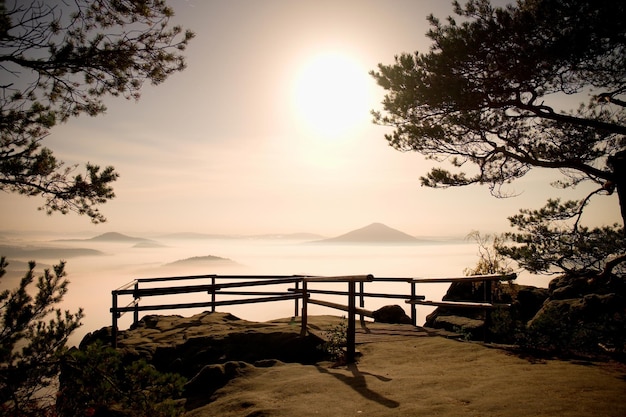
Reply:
x=108, y=237
x=374, y=233
x=201, y=260
x=39, y=252
x=116, y=237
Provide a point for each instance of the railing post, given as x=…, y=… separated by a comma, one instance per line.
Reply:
x=413, y=307
x=136, y=311
x=488, y=297
x=305, y=297
x=114, y=319
x=296, y=312
x=213, y=295
x=362, y=302
x=351, y=336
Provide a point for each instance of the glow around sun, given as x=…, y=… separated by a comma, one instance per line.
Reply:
x=332, y=96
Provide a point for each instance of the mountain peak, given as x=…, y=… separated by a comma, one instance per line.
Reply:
x=375, y=232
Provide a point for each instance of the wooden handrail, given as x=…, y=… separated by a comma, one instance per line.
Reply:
x=206, y=303
x=360, y=311
x=341, y=278
x=361, y=294
x=458, y=304
x=125, y=286
x=471, y=278
x=148, y=292
x=260, y=282
x=177, y=278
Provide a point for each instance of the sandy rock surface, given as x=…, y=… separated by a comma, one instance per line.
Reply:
x=431, y=376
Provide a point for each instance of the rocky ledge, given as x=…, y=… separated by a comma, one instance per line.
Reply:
x=209, y=349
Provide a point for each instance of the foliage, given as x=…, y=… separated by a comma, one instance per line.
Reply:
x=33, y=335
x=337, y=337
x=96, y=381
x=490, y=261
x=60, y=59
x=465, y=334
x=549, y=241
x=504, y=323
x=488, y=99
x=503, y=326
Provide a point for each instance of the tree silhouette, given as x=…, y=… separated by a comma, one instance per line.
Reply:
x=487, y=98
x=58, y=60
x=33, y=334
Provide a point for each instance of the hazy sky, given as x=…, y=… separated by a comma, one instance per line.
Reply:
x=255, y=136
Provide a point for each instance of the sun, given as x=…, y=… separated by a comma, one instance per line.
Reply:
x=332, y=96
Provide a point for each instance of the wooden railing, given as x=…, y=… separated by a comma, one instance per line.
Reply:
x=228, y=285
x=213, y=284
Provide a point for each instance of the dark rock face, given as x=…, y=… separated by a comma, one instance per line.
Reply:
x=579, y=313
x=497, y=325
x=569, y=286
x=591, y=324
x=393, y=314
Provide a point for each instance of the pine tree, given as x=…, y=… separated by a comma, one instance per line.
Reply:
x=33, y=337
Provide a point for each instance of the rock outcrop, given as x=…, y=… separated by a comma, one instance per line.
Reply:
x=497, y=325
x=186, y=344
x=209, y=349
x=577, y=314
x=393, y=314
x=583, y=314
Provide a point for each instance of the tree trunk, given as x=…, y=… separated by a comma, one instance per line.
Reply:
x=618, y=163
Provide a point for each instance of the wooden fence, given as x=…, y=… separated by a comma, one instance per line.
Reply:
x=230, y=285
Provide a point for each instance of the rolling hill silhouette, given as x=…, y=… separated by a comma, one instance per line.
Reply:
x=108, y=237
x=40, y=252
x=374, y=233
x=199, y=260
x=116, y=237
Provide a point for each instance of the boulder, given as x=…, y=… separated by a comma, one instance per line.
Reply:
x=591, y=324
x=393, y=314
x=525, y=301
x=568, y=286
x=577, y=285
x=585, y=313
x=528, y=301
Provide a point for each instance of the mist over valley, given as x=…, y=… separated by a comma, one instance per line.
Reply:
x=99, y=264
